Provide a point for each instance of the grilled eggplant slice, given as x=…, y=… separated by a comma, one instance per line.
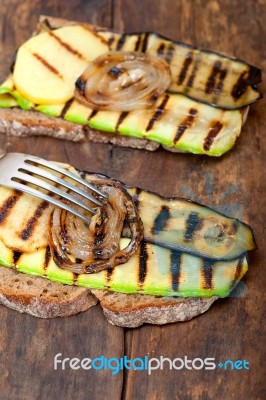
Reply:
x=153, y=269
x=188, y=227
x=203, y=75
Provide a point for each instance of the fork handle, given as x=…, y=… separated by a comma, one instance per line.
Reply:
x=2, y=153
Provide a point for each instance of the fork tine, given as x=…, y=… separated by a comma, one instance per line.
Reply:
x=64, y=183
x=44, y=185
x=64, y=171
x=49, y=199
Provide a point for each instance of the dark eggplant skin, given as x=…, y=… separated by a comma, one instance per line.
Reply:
x=251, y=77
x=153, y=240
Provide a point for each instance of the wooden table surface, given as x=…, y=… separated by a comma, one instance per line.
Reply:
x=234, y=328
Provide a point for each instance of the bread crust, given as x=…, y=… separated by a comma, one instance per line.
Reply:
x=22, y=123
x=134, y=310
x=41, y=298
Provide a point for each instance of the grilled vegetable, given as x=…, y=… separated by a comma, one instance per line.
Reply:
x=80, y=248
x=10, y=97
x=153, y=269
x=203, y=75
x=48, y=64
x=175, y=121
x=123, y=81
x=188, y=227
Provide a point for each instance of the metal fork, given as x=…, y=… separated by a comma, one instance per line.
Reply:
x=16, y=171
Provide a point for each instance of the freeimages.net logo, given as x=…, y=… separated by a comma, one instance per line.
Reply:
x=145, y=364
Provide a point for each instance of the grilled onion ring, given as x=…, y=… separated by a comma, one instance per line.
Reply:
x=80, y=248
x=123, y=81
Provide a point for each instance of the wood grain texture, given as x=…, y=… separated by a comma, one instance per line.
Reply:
x=233, y=328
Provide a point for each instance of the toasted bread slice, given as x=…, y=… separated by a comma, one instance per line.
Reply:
x=22, y=123
x=133, y=310
x=42, y=298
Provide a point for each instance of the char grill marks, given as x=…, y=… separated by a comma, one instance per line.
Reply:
x=175, y=269
x=238, y=271
x=192, y=76
x=48, y=65
x=192, y=224
x=143, y=260
x=145, y=42
x=31, y=223
x=215, y=79
x=141, y=42
x=207, y=273
x=186, y=64
x=138, y=43
x=214, y=130
x=169, y=53
x=250, y=77
x=185, y=124
x=16, y=256
x=7, y=206
x=92, y=114
x=121, y=41
x=121, y=118
x=166, y=51
x=66, y=108
x=160, y=50
x=160, y=221
x=158, y=113
x=176, y=265
x=109, y=273
x=67, y=46
x=47, y=257
x=136, y=197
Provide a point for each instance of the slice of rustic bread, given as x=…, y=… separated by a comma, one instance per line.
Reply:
x=40, y=297
x=17, y=122
x=133, y=310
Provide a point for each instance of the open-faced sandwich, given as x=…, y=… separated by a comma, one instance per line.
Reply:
x=146, y=258
x=82, y=82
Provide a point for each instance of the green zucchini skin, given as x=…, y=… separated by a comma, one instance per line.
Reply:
x=153, y=270
x=182, y=124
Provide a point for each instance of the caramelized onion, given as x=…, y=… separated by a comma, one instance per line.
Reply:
x=123, y=81
x=81, y=248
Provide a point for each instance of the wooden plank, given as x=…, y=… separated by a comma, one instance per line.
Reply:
x=29, y=346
